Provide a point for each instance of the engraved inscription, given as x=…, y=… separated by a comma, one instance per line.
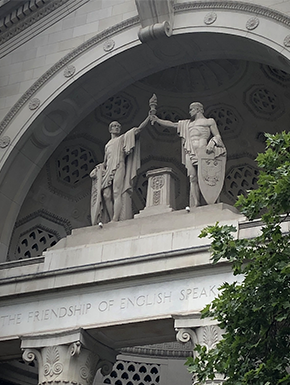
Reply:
x=113, y=306
x=60, y=312
x=145, y=300
x=197, y=292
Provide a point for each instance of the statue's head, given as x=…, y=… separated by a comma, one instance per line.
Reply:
x=115, y=128
x=195, y=107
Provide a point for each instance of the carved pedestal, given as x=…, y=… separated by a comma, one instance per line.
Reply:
x=160, y=192
x=67, y=358
x=202, y=334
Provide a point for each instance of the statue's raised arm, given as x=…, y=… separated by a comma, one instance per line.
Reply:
x=112, y=180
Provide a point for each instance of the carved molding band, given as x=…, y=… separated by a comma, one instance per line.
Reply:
x=29, y=13
x=239, y=6
x=61, y=64
x=235, y=6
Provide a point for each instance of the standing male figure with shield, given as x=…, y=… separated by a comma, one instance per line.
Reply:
x=203, y=153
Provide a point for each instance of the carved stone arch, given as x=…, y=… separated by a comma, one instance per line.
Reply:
x=37, y=123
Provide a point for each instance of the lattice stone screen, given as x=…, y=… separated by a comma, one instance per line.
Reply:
x=133, y=373
x=75, y=164
x=240, y=179
x=34, y=242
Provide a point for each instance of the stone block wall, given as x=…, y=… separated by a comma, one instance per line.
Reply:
x=28, y=52
x=25, y=56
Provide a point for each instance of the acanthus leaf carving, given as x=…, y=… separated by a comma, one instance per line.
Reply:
x=53, y=366
x=210, y=336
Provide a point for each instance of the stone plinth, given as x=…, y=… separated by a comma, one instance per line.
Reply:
x=160, y=192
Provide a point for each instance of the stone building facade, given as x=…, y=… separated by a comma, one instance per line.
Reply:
x=73, y=295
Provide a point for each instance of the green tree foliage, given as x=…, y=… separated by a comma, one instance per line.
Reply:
x=254, y=314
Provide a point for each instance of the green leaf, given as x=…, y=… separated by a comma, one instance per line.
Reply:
x=254, y=314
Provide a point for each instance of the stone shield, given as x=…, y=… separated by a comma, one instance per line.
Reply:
x=211, y=175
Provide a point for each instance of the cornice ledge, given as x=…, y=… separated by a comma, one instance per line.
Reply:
x=62, y=63
x=236, y=6
x=22, y=18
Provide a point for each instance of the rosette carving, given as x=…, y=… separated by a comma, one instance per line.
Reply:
x=210, y=18
x=4, y=141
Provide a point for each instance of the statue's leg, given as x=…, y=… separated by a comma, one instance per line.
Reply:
x=108, y=200
x=117, y=191
x=194, y=199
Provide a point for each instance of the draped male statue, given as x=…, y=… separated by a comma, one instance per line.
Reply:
x=112, y=179
x=203, y=153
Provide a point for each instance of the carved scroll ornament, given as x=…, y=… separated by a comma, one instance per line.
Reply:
x=156, y=17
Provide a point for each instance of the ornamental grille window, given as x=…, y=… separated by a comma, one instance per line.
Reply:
x=225, y=119
x=240, y=179
x=133, y=373
x=74, y=165
x=276, y=74
x=265, y=101
x=116, y=107
x=35, y=242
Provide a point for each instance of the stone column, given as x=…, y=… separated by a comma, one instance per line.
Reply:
x=202, y=334
x=68, y=357
x=160, y=192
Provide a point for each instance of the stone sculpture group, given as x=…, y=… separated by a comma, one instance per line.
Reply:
x=203, y=155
